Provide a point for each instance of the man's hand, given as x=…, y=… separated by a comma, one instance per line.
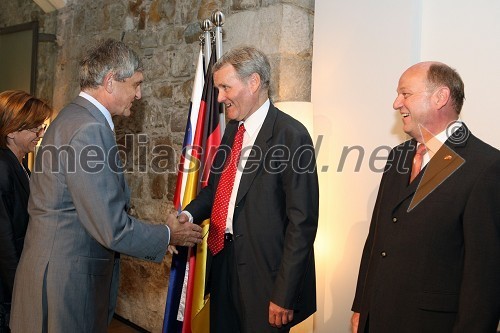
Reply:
x=354, y=322
x=279, y=316
x=183, y=234
x=183, y=218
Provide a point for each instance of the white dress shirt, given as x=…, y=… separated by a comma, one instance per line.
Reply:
x=252, y=128
x=101, y=108
x=437, y=141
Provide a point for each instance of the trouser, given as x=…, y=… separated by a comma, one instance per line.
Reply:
x=4, y=317
x=225, y=309
x=227, y=313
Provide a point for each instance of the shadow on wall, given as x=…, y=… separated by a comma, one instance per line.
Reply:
x=343, y=285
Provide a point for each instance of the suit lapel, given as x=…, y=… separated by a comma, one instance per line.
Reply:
x=94, y=111
x=97, y=114
x=20, y=173
x=443, y=164
x=402, y=176
x=259, y=150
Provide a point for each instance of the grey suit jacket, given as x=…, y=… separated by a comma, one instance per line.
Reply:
x=67, y=276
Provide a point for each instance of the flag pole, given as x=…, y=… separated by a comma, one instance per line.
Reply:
x=207, y=26
x=218, y=20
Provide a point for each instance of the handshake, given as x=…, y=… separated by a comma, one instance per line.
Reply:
x=182, y=232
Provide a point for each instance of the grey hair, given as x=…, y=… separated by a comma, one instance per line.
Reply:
x=247, y=60
x=108, y=56
x=440, y=74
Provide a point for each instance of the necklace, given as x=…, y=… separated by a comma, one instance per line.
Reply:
x=25, y=171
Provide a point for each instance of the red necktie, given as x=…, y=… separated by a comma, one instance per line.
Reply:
x=417, y=161
x=218, y=219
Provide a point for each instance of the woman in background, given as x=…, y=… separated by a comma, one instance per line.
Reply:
x=22, y=118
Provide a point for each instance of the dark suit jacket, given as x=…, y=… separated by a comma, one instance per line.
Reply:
x=435, y=268
x=275, y=219
x=14, y=192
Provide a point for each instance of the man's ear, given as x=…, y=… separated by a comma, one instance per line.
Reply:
x=442, y=96
x=254, y=82
x=107, y=82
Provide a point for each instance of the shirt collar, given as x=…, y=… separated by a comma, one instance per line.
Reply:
x=437, y=141
x=101, y=108
x=255, y=121
x=452, y=128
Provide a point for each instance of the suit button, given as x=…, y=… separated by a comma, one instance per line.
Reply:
x=383, y=254
x=394, y=219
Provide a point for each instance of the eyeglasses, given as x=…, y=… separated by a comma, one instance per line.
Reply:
x=39, y=130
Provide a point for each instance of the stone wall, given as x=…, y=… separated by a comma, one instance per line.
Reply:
x=165, y=33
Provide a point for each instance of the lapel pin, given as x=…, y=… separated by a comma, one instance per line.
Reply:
x=447, y=157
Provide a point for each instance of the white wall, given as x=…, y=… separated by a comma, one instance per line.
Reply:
x=360, y=50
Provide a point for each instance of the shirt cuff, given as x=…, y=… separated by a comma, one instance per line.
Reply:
x=168, y=242
x=188, y=214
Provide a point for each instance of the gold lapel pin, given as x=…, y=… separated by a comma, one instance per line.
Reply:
x=447, y=157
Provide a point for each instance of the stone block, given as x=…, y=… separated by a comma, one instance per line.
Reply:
x=181, y=64
x=163, y=157
x=192, y=33
x=78, y=22
x=184, y=12
x=306, y=4
x=182, y=93
x=163, y=91
x=171, y=185
x=169, y=9
x=156, y=66
x=173, y=35
x=208, y=7
x=261, y=29
x=143, y=290
x=136, y=184
x=142, y=21
x=294, y=81
x=179, y=119
x=296, y=31
x=135, y=7
x=149, y=42
x=245, y=4
x=157, y=186
x=156, y=12
x=135, y=122
x=156, y=117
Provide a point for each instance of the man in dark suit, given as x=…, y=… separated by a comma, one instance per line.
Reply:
x=67, y=279
x=263, y=278
x=431, y=259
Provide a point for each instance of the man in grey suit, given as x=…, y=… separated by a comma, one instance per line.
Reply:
x=67, y=277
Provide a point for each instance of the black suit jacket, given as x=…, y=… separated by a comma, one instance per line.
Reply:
x=275, y=218
x=436, y=267
x=14, y=191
